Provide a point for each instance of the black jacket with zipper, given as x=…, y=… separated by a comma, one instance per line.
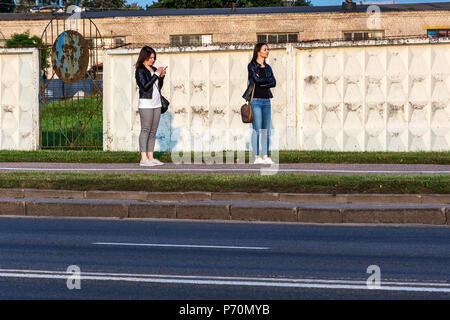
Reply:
x=145, y=81
x=264, y=82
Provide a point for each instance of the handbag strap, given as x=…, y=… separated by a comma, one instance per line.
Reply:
x=253, y=92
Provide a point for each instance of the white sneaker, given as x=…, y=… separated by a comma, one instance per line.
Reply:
x=259, y=161
x=147, y=163
x=157, y=162
x=268, y=161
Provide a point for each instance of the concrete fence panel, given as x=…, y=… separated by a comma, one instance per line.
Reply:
x=19, y=99
x=374, y=98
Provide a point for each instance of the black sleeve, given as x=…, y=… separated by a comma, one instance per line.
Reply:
x=141, y=80
x=258, y=80
x=272, y=81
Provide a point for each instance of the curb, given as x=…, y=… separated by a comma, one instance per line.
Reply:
x=227, y=196
x=228, y=210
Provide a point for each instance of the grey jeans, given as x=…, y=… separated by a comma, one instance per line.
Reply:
x=149, y=126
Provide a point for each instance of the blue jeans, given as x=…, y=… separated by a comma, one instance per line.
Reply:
x=261, y=125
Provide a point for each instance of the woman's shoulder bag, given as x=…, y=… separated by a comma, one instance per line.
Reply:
x=246, y=109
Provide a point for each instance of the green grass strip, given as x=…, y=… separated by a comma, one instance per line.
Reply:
x=400, y=184
x=284, y=156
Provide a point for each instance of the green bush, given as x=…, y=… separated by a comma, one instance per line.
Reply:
x=23, y=40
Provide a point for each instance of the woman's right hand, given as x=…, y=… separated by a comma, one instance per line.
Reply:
x=161, y=71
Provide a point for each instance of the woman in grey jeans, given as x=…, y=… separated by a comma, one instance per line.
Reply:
x=150, y=81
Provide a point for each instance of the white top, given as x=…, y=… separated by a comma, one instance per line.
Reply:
x=153, y=103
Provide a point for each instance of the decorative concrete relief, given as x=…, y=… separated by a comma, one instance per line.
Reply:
x=9, y=101
x=397, y=97
x=310, y=98
x=278, y=61
x=419, y=98
x=440, y=98
x=219, y=99
x=19, y=104
x=123, y=111
x=332, y=133
x=176, y=120
x=353, y=122
x=199, y=111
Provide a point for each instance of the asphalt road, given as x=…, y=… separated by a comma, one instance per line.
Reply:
x=154, y=259
x=299, y=168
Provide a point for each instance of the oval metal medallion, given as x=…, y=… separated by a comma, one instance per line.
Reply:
x=70, y=56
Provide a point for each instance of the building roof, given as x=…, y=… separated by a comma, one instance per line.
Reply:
x=265, y=10
x=239, y=11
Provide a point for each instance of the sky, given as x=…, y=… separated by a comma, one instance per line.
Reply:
x=314, y=2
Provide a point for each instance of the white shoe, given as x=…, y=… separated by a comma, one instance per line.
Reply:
x=157, y=162
x=259, y=161
x=268, y=161
x=147, y=163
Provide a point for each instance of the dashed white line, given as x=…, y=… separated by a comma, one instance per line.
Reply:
x=177, y=245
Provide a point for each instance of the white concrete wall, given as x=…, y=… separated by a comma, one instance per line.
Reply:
x=366, y=96
x=374, y=98
x=204, y=87
x=19, y=99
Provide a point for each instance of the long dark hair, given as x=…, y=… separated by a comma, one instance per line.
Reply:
x=257, y=49
x=145, y=53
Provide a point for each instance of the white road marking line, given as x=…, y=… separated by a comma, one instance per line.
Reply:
x=231, y=281
x=230, y=169
x=176, y=245
x=390, y=282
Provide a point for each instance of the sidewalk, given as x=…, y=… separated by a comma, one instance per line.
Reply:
x=294, y=168
x=433, y=209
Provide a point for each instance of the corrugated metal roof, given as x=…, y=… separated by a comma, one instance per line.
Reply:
x=228, y=11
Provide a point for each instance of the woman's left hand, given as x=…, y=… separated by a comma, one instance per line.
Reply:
x=163, y=72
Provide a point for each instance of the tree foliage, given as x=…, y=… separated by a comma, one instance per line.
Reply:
x=23, y=40
x=103, y=4
x=7, y=6
x=134, y=6
x=24, y=5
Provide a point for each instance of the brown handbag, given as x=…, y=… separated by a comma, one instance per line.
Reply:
x=246, y=109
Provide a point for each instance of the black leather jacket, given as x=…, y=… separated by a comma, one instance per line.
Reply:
x=264, y=82
x=145, y=81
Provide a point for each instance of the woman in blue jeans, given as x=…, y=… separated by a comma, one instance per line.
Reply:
x=260, y=79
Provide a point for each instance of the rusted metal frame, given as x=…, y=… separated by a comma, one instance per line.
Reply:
x=94, y=63
x=97, y=64
x=84, y=100
x=94, y=42
x=90, y=118
x=69, y=114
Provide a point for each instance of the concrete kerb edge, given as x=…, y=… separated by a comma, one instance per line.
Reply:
x=227, y=196
x=320, y=215
x=260, y=213
x=425, y=216
x=13, y=208
x=74, y=209
x=193, y=211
